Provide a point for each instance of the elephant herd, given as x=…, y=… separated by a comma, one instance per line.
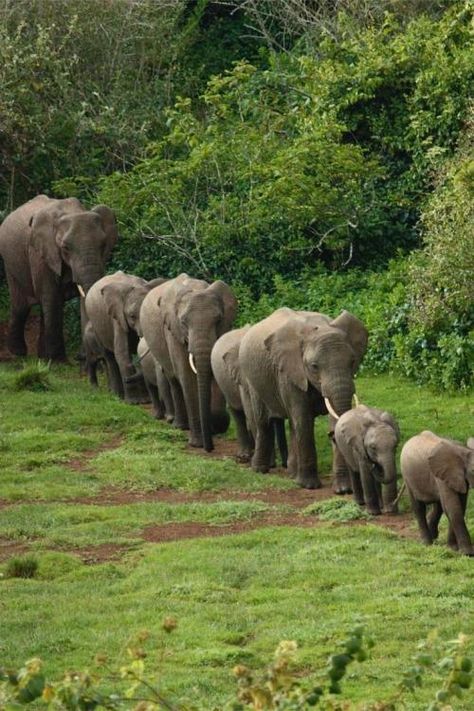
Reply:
x=171, y=341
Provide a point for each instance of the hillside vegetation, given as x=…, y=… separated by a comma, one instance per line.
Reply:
x=314, y=154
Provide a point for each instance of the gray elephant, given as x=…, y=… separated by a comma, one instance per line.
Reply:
x=181, y=320
x=113, y=307
x=439, y=471
x=52, y=249
x=93, y=355
x=156, y=383
x=294, y=364
x=226, y=370
x=367, y=438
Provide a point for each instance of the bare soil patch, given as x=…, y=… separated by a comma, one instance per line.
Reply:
x=10, y=548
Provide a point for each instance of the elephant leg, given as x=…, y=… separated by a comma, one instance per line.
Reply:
x=369, y=487
x=261, y=460
x=454, y=505
x=180, y=415
x=389, y=497
x=433, y=519
x=341, y=480
x=53, y=327
x=244, y=437
x=189, y=388
x=157, y=408
x=41, y=345
x=136, y=392
x=19, y=311
x=419, y=509
x=280, y=436
x=164, y=391
x=357, y=491
x=292, y=463
x=307, y=463
x=113, y=374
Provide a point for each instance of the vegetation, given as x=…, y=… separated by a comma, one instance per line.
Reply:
x=278, y=687
x=33, y=376
x=86, y=491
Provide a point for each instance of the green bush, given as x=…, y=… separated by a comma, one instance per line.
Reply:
x=22, y=567
x=33, y=376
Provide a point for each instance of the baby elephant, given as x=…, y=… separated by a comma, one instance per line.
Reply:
x=439, y=471
x=367, y=439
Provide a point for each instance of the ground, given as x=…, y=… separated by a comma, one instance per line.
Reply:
x=129, y=525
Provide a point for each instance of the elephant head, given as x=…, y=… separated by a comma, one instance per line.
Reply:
x=453, y=464
x=311, y=350
x=197, y=317
x=380, y=437
x=66, y=234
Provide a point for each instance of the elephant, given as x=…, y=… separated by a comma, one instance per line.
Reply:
x=113, y=307
x=53, y=250
x=439, y=471
x=367, y=438
x=296, y=365
x=93, y=354
x=181, y=320
x=226, y=370
x=156, y=383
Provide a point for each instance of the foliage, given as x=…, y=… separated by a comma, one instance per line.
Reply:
x=84, y=85
x=278, y=687
x=22, y=567
x=319, y=156
x=33, y=376
x=336, y=510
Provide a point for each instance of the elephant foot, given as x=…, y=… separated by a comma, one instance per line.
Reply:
x=260, y=468
x=243, y=457
x=195, y=442
x=309, y=482
x=137, y=399
x=391, y=510
x=17, y=348
x=467, y=551
x=341, y=489
x=158, y=414
x=169, y=419
x=374, y=510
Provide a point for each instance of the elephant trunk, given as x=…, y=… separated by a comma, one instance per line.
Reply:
x=202, y=362
x=339, y=391
x=385, y=471
x=85, y=276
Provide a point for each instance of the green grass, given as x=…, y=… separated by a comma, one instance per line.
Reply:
x=235, y=597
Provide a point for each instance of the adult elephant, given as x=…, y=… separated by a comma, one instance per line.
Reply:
x=113, y=308
x=296, y=365
x=52, y=249
x=181, y=320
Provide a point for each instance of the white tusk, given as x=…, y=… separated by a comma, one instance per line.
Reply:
x=81, y=291
x=330, y=408
x=191, y=363
x=356, y=400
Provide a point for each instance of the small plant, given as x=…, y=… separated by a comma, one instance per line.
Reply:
x=336, y=510
x=22, y=567
x=34, y=377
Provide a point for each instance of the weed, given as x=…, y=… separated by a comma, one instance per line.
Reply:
x=22, y=567
x=34, y=377
x=336, y=510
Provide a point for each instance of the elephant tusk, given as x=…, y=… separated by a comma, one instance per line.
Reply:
x=81, y=291
x=191, y=363
x=330, y=408
x=356, y=400
x=144, y=354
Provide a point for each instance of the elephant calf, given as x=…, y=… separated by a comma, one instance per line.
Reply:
x=439, y=471
x=367, y=438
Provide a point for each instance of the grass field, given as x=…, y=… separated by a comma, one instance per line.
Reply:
x=89, y=485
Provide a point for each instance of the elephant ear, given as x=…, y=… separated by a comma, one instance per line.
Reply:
x=42, y=239
x=229, y=303
x=114, y=297
x=448, y=466
x=155, y=282
x=169, y=309
x=109, y=225
x=357, y=334
x=231, y=360
x=470, y=443
x=285, y=346
x=388, y=419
